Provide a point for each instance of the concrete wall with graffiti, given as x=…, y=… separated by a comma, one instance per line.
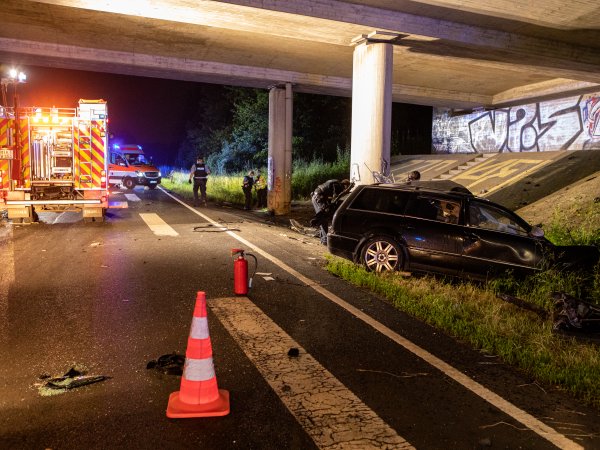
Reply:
x=568, y=124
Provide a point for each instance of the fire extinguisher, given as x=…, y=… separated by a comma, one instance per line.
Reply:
x=241, y=283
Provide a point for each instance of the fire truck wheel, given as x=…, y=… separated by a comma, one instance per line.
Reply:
x=128, y=183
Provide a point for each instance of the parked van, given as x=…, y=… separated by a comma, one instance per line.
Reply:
x=129, y=166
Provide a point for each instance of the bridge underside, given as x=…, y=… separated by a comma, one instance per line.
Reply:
x=463, y=56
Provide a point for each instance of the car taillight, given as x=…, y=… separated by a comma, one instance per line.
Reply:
x=103, y=179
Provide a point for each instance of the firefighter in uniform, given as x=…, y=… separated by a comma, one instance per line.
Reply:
x=199, y=173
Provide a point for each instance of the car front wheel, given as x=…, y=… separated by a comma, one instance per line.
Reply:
x=381, y=254
x=128, y=183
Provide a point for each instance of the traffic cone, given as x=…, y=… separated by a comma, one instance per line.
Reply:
x=199, y=395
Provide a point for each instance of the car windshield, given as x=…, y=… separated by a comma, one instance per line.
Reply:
x=136, y=159
x=491, y=218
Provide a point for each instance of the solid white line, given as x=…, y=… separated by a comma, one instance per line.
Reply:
x=513, y=411
x=157, y=225
x=311, y=393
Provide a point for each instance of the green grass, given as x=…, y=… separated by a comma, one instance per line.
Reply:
x=475, y=315
x=219, y=188
x=579, y=226
x=471, y=313
x=228, y=188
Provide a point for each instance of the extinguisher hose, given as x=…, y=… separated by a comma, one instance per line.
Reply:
x=255, y=268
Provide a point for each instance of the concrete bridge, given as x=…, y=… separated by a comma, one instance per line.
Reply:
x=461, y=54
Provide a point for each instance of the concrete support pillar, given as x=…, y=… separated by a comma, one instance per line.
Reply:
x=279, y=178
x=371, y=110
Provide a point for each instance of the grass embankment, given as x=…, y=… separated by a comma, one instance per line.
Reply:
x=228, y=188
x=470, y=312
x=474, y=314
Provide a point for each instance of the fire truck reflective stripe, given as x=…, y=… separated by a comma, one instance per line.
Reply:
x=25, y=163
x=199, y=328
x=97, y=153
x=198, y=369
x=157, y=225
x=76, y=171
x=4, y=164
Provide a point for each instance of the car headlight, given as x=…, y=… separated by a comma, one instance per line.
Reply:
x=139, y=173
x=159, y=174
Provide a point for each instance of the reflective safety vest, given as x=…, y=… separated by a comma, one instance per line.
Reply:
x=200, y=171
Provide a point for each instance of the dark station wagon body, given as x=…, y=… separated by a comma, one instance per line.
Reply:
x=439, y=226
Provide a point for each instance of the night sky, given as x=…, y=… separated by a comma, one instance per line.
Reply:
x=146, y=111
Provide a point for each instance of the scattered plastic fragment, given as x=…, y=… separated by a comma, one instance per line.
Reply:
x=72, y=379
x=171, y=364
x=572, y=313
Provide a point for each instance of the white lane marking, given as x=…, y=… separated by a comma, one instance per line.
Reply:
x=132, y=198
x=157, y=225
x=311, y=393
x=508, y=408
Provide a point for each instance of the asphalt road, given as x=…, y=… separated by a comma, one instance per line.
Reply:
x=110, y=297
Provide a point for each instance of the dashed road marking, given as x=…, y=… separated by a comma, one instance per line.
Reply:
x=132, y=198
x=535, y=425
x=329, y=412
x=157, y=225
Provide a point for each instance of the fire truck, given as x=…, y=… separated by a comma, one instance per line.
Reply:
x=54, y=159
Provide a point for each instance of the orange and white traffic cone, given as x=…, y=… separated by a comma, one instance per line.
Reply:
x=199, y=395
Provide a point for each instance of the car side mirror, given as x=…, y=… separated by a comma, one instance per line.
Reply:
x=537, y=232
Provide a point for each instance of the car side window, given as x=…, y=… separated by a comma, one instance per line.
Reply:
x=491, y=218
x=381, y=200
x=433, y=208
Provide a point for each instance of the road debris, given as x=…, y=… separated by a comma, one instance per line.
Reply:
x=573, y=313
x=75, y=377
x=170, y=364
x=307, y=231
x=523, y=304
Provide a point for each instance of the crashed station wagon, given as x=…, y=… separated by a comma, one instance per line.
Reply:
x=441, y=227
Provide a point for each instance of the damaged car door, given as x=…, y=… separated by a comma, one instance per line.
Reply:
x=496, y=240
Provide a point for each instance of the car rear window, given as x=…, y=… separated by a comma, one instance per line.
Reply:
x=381, y=200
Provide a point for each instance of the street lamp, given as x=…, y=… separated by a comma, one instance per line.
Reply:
x=14, y=78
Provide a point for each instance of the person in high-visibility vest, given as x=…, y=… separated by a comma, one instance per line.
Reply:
x=199, y=173
x=260, y=184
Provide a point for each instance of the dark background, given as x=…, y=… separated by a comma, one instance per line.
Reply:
x=154, y=112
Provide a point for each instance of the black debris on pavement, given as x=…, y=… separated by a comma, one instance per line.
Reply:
x=170, y=364
x=72, y=379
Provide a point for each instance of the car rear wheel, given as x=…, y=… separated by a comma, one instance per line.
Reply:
x=382, y=254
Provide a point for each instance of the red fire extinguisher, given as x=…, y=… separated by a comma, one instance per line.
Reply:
x=241, y=283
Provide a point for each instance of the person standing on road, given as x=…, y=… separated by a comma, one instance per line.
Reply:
x=261, y=191
x=321, y=200
x=247, y=184
x=199, y=173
